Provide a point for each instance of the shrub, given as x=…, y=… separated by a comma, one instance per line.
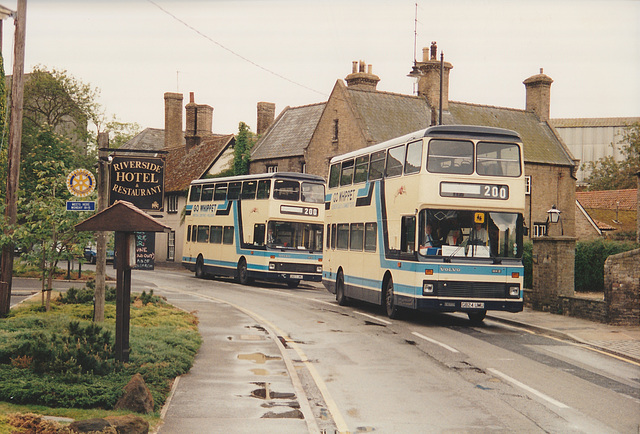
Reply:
x=590, y=258
x=527, y=260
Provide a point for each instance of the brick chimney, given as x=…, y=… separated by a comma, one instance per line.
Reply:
x=172, y=119
x=538, y=91
x=266, y=115
x=199, y=121
x=361, y=80
x=429, y=84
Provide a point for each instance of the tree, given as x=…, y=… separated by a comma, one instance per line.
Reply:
x=609, y=174
x=46, y=229
x=245, y=140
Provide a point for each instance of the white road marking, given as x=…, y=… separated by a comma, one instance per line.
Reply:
x=383, y=321
x=433, y=341
x=539, y=394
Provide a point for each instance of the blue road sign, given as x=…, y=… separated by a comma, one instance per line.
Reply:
x=81, y=205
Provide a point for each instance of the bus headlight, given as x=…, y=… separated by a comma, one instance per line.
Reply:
x=427, y=288
x=272, y=266
x=319, y=269
x=514, y=291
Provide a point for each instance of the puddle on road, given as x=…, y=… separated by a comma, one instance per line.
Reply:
x=260, y=372
x=257, y=358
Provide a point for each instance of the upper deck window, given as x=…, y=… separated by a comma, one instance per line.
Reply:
x=450, y=156
x=285, y=189
x=207, y=193
x=264, y=189
x=395, y=161
x=376, y=168
x=413, y=160
x=362, y=169
x=346, y=178
x=249, y=190
x=498, y=159
x=194, y=194
x=334, y=175
x=220, y=192
x=312, y=193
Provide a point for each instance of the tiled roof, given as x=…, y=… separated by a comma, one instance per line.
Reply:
x=149, y=139
x=593, y=122
x=608, y=199
x=290, y=133
x=182, y=167
x=540, y=143
x=388, y=115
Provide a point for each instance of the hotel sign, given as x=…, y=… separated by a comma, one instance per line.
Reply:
x=139, y=180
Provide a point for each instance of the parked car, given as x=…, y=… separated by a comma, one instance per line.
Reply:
x=90, y=255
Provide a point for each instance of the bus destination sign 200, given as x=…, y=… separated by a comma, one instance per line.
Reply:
x=474, y=191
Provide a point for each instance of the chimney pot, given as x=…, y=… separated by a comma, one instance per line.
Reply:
x=354, y=66
x=191, y=97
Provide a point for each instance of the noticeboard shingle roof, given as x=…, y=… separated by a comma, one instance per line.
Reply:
x=290, y=133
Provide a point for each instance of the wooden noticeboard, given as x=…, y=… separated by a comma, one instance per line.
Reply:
x=145, y=250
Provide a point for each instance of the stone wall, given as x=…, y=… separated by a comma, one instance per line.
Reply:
x=553, y=272
x=290, y=164
x=585, y=308
x=622, y=288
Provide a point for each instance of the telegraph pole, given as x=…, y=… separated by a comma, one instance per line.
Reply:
x=101, y=236
x=15, y=139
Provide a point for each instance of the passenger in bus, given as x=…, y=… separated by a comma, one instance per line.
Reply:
x=427, y=240
x=454, y=238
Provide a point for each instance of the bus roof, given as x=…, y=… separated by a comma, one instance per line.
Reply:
x=458, y=131
x=257, y=176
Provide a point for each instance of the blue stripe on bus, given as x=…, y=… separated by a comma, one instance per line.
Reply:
x=364, y=191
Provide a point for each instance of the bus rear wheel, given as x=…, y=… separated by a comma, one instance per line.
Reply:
x=342, y=299
x=200, y=267
x=389, y=300
x=243, y=274
x=477, y=317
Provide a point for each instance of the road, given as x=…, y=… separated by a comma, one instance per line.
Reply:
x=363, y=372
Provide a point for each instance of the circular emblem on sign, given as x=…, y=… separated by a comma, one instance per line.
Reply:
x=81, y=182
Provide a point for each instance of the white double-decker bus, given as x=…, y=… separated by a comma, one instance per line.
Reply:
x=266, y=226
x=431, y=221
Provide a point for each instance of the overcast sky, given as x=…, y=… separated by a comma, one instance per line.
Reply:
x=233, y=54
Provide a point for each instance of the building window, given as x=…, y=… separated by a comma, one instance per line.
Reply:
x=171, y=246
x=172, y=203
x=335, y=130
x=539, y=229
x=272, y=168
x=527, y=184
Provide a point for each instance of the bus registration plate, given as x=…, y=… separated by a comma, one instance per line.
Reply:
x=472, y=305
x=296, y=276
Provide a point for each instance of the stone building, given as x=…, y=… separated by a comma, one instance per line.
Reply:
x=192, y=153
x=613, y=211
x=357, y=115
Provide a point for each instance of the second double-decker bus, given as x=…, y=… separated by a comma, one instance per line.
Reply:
x=431, y=221
x=267, y=226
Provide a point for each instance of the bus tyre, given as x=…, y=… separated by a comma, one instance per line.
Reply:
x=477, y=317
x=200, y=267
x=389, y=301
x=243, y=274
x=340, y=297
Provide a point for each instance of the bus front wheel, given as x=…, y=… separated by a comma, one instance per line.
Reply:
x=340, y=297
x=477, y=317
x=389, y=300
x=200, y=267
x=243, y=274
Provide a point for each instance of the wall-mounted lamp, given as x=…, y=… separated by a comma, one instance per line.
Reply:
x=553, y=216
